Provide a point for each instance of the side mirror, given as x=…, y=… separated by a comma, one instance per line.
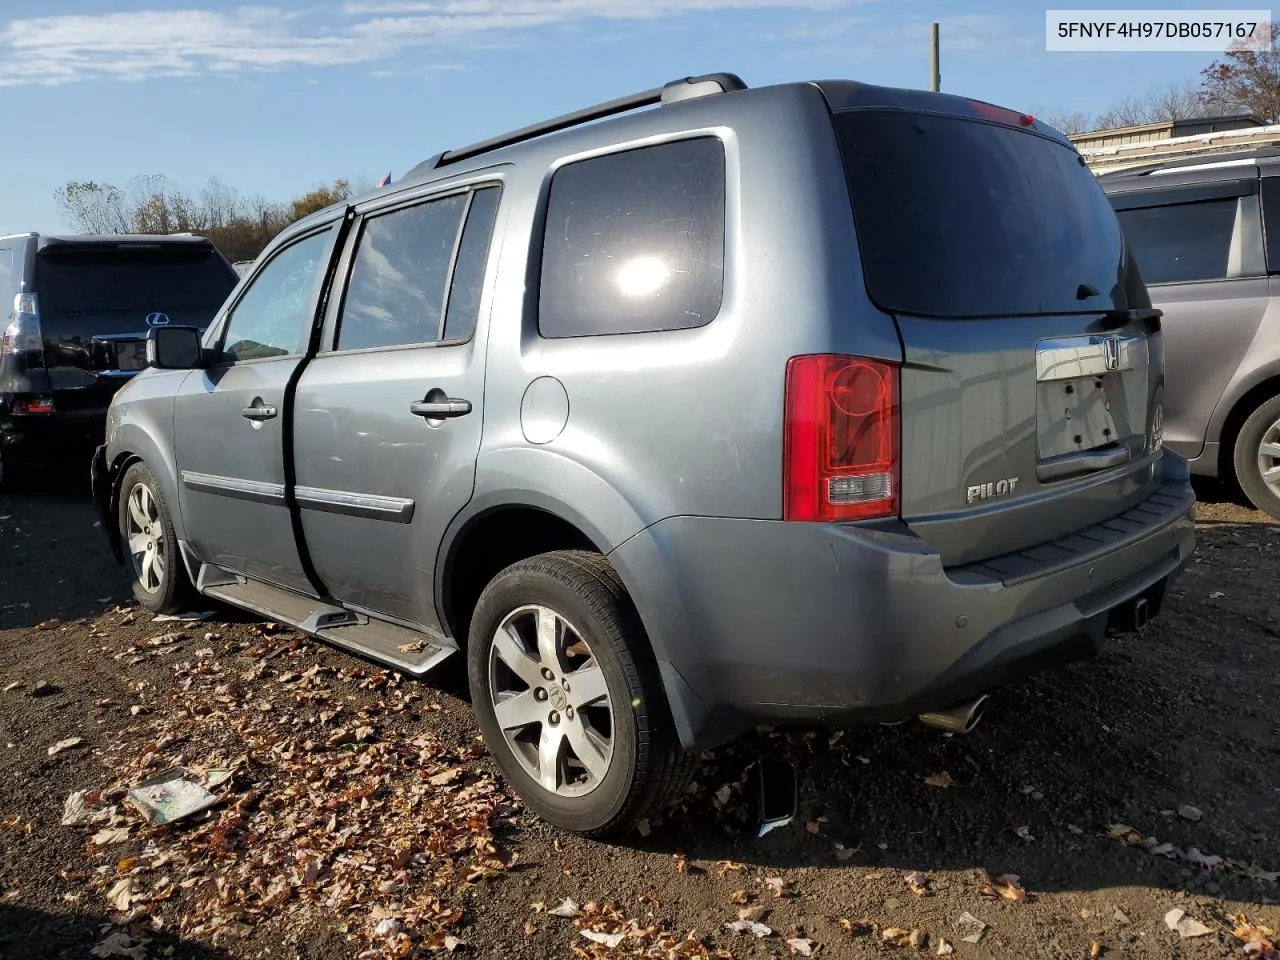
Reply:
x=174, y=348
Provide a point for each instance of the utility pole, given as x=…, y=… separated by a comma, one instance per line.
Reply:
x=934, y=59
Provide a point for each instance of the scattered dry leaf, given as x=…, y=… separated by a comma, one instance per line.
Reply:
x=918, y=883
x=1007, y=886
x=940, y=779
x=801, y=947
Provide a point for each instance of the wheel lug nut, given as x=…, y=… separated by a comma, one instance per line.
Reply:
x=565, y=683
x=568, y=712
x=547, y=674
x=554, y=718
x=539, y=694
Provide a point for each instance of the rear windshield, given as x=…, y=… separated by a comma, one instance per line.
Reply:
x=82, y=278
x=966, y=218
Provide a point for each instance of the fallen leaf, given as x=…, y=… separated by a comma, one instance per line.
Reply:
x=416, y=647
x=918, y=883
x=120, y=895
x=452, y=943
x=1024, y=833
x=897, y=936
x=853, y=929
x=754, y=914
x=940, y=779
x=814, y=827
x=104, y=838
x=1186, y=927
x=1120, y=916
x=975, y=927
x=16, y=685
x=1095, y=949
x=740, y=897
x=67, y=744
x=750, y=926
x=1125, y=834
x=682, y=863
x=643, y=828
x=120, y=944
x=800, y=947
x=777, y=886
x=567, y=909
x=1007, y=886
x=945, y=949
x=446, y=777
x=844, y=853
x=725, y=867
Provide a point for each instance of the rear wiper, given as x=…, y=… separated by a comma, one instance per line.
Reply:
x=1118, y=318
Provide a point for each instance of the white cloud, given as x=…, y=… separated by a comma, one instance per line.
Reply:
x=157, y=43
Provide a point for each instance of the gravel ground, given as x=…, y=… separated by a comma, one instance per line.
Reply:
x=362, y=818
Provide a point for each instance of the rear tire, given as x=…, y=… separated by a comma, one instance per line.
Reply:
x=156, y=573
x=1257, y=457
x=554, y=634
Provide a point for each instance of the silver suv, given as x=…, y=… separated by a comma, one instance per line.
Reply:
x=821, y=402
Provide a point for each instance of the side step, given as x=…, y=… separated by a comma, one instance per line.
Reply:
x=412, y=651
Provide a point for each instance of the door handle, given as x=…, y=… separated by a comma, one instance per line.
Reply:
x=440, y=409
x=259, y=411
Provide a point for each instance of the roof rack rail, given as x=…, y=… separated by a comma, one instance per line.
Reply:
x=689, y=88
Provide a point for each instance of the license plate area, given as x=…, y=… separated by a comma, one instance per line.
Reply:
x=1091, y=394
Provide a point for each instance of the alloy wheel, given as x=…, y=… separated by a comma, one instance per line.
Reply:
x=551, y=701
x=145, y=535
x=1269, y=458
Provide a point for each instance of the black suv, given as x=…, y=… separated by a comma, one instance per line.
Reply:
x=74, y=315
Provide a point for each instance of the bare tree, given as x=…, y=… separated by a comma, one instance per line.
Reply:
x=1247, y=78
x=93, y=207
x=1074, y=122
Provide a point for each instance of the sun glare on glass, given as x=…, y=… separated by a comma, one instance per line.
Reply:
x=642, y=276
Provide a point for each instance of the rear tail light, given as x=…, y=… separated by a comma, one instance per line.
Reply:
x=35, y=405
x=23, y=334
x=841, y=448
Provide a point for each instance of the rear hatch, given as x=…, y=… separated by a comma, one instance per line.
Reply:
x=1033, y=368
x=97, y=300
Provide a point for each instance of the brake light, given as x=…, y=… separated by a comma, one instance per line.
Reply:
x=23, y=334
x=841, y=446
x=1002, y=114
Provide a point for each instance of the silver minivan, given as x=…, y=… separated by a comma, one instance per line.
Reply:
x=813, y=403
x=1205, y=233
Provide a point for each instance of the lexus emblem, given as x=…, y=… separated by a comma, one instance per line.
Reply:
x=1111, y=352
x=157, y=320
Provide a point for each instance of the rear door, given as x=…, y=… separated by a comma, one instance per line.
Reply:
x=1199, y=248
x=388, y=414
x=230, y=418
x=1028, y=387
x=97, y=300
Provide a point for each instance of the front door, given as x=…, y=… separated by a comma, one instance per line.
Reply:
x=229, y=420
x=388, y=417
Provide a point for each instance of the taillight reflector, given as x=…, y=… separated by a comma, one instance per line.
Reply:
x=840, y=456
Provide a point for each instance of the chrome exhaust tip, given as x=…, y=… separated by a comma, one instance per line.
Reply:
x=959, y=719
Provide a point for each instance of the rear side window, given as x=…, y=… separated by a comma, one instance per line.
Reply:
x=634, y=241
x=468, y=271
x=1181, y=242
x=966, y=218
x=132, y=277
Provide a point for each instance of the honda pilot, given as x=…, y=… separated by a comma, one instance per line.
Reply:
x=813, y=403
x=74, y=312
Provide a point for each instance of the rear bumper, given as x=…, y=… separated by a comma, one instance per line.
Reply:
x=764, y=621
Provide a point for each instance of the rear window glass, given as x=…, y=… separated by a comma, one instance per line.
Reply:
x=83, y=278
x=964, y=218
x=1181, y=242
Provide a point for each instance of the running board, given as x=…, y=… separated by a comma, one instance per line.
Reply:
x=412, y=651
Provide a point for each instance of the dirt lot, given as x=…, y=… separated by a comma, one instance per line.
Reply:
x=360, y=817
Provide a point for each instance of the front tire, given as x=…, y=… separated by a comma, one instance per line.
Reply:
x=157, y=575
x=1257, y=457
x=567, y=695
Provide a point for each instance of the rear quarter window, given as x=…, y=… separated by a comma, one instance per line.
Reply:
x=634, y=241
x=1182, y=242
x=135, y=277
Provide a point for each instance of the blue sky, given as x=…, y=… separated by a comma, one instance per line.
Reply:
x=276, y=97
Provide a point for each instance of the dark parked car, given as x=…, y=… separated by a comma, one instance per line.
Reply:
x=74, y=314
x=813, y=403
x=1206, y=236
